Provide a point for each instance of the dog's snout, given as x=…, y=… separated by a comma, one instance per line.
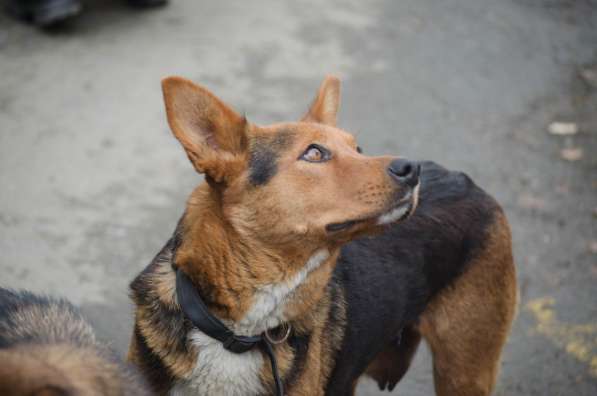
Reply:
x=405, y=171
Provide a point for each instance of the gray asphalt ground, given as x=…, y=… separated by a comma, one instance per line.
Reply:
x=92, y=183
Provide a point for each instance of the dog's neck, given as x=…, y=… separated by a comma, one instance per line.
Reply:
x=249, y=286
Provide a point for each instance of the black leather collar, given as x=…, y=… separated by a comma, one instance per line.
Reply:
x=196, y=311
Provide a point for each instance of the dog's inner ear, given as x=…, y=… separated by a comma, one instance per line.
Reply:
x=325, y=106
x=212, y=134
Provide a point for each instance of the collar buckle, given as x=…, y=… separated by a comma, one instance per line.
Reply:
x=285, y=329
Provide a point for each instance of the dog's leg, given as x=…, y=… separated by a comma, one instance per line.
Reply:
x=467, y=324
x=392, y=363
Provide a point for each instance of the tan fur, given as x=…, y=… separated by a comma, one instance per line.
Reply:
x=321, y=350
x=31, y=369
x=49, y=349
x=256, y=237
x=236, y=239
x=311, y=313
x=53, y=323
x=179, y=363
x=467, y=324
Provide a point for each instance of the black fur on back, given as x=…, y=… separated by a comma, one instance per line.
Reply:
x=389, y=279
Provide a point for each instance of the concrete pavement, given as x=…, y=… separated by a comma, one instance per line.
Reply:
x=92, y=183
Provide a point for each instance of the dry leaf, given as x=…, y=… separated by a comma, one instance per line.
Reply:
x=571, y=154
x=563, y=128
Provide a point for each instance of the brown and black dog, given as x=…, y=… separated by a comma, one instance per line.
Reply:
x=296, y=228
x=48, y=349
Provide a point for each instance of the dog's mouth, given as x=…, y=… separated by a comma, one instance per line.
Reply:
x=400, y=211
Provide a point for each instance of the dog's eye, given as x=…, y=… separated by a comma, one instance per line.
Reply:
x=359, y=150
x=315, y=153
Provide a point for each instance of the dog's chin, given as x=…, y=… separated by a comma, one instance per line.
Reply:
x=400, y=211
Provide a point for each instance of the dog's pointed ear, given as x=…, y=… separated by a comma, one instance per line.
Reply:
x=325, y=105
x=213, y=135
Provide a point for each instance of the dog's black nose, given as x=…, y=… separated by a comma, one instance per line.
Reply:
x=405, y=171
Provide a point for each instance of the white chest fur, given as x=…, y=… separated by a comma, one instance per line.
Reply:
x=220, y=372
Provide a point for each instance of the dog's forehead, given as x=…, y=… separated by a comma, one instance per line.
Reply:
x=289, y=133
x=340, y=135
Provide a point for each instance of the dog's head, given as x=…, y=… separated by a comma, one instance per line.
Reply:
x=292, y=182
